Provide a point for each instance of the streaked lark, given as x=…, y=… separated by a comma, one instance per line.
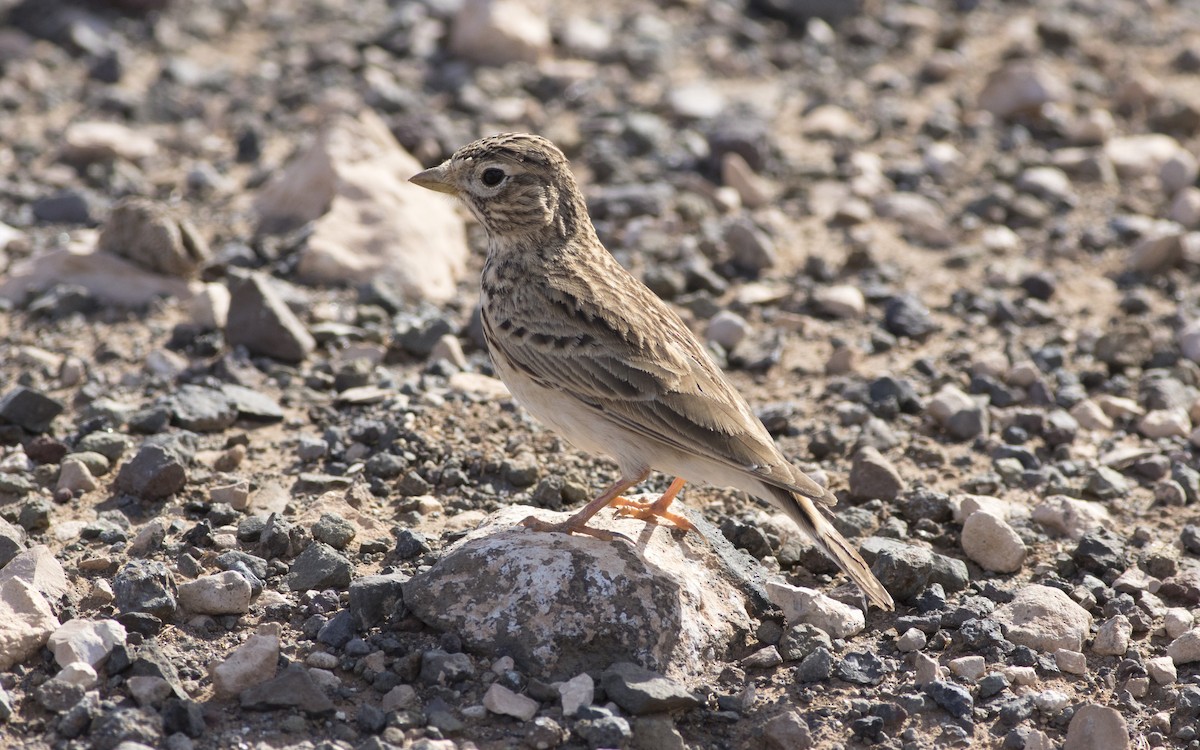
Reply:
x=594, y=354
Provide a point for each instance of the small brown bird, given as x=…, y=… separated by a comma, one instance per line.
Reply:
x=594, y=354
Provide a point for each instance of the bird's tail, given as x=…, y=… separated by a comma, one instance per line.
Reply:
x=813, y=523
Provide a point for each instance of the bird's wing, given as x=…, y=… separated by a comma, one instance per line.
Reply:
x=638, y=365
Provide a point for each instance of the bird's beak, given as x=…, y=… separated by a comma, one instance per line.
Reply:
x=436, y=178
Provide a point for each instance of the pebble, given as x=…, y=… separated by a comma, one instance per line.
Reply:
x=752, y=250
x=970, y=668
x=500, y=700
x=872, y=476
x=1112, y=638
x=86, y=641
x=1019, y=87
x=294, y=688
x=992, y=543
x=840, y=301
x=787, y=731
x=145, y=586
x=319, y=567
x=250, y=664
x=641, y=691
x=1096, y=727
x=26, y=622
x=29, y=409
x=154, y=473
x=576, y=693
x=1069, y=516
x=727, y=329
x=75, y=477
x=221, y=594
x=959, y=414
x=1071, y=662
x=1185, y=649
x=1044, y=619
x=906, y=570
x=1177, y=621
x=1137, y=155
x=911, y=640
x=498, y=32
x=262, y=322
x=808, y=606
x=1165, y=423
x=151, y=235
x=955, y=699
x=1162, y=670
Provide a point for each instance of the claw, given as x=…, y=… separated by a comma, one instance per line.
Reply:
x=650, y=513
x=567, y=527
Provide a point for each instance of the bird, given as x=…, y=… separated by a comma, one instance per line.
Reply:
x=591, y=352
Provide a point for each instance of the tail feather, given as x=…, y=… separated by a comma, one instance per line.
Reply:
x=810, y=520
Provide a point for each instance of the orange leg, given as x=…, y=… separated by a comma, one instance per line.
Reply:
x=577, y=524
x=656, y=510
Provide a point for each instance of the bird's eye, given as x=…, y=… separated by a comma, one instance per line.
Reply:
x=492, y=176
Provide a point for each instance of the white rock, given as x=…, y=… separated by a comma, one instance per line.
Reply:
x=927, y=669
x=911, y=640
x=497, y=32
x=968, y=667
x=801, y=605
x=38, y=567
x=479, y=385
x=1178, y=172
x=1092, y=128
x=1046, y=182
x=1044, y=619
x=8, y=235
x=1069, y=516
x=1137, y=155
x=1118, y=407
x=79, y=674
x=226, y=593
x=948, y=401
x=1177, y=621
x=87, y=641
x=1112, y=638
x=26, y=622
x=1021, y=86
x=500, y=700
x=942, y=159
x=1096, y=727
x=1020, y=675
x=107, y=277
x=1185, y=209
x=576, y=693
x=753, y=189
x=148, y=690
x=697, y=101
x=1189, y=341
x=370, y=223
x=1090, y=416
x=1162, y=670
x=1071, y=662
x=992, y=543
x=101, y=140
x=840, y=301
x=1186, y=648
x=209, y=308
x=831, y=121
x=74, y=476
x=250, y=664
x=538, y=617
x=1165, y=423
x=585, y=37
x=727, y=329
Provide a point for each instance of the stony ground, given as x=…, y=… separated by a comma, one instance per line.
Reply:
x=948, y=249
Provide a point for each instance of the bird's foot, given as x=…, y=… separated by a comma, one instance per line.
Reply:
x=655, y=513
x=570, y=526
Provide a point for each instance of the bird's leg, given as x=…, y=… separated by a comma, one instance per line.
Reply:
x=656, y=510
x=577, y=524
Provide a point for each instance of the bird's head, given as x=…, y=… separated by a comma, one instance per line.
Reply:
x=516, y=184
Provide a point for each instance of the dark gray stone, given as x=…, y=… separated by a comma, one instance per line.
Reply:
x=145, y=586
x=29, y=409
x=57, y=696
x=334, y=530
x=607, y=731
x=126, y=725
x=801, y=640
x=319, y=566
x=153, y=474
x=260, y=321
x=906, y=570
x=202, y=409
x=66, y=207
x=640, y=691
x=955, y=699
x=906, y=316
x=294, y=688
x=375, y=599
x=816, y=667
x=441, y=668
